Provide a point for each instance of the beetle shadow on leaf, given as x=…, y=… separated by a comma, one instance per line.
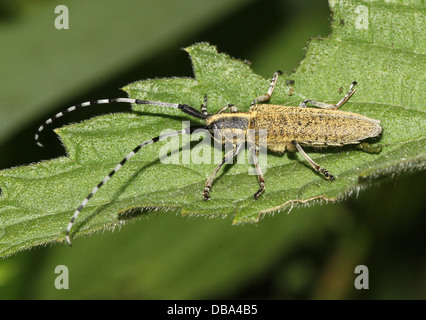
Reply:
x=164, y=116
x=133, y=212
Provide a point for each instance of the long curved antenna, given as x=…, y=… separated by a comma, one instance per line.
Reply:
x=185, y=108
x=122, y=162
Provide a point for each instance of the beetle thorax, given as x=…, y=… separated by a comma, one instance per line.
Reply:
x=228, y=127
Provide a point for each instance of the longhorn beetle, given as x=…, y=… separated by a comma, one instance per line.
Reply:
x=288, y=128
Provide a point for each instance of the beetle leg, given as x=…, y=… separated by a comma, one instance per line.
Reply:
x=315, y=165
x=258, y=172
x=268, y=95
x=330, y=106
x=231, y=106
x=231, y=154
x=204, y=106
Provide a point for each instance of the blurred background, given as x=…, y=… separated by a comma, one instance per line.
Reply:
x=310, y=253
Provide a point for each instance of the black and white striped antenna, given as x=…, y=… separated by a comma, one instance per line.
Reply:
x=183, y=107
x=114, y=171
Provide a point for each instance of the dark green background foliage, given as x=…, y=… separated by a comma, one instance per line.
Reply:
x=311, y=252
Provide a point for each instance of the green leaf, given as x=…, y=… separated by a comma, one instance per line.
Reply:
x=58, y=53
x=37, y=201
